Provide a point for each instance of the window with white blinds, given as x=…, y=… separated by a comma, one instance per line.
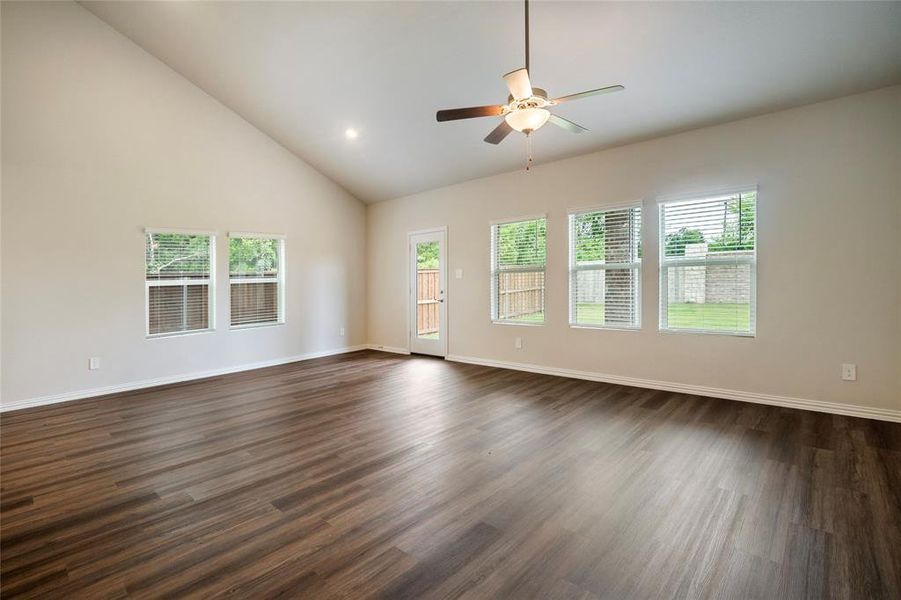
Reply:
x=708, y=264
x=518, y=258
x=256, y=279
x=605, y=268
x=178, y=281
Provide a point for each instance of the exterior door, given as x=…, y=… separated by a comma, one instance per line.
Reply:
x=428, y=278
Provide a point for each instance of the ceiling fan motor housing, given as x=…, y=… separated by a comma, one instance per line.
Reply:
x=536, y=93
x=528, y=114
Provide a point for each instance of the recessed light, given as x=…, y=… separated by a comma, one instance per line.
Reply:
x=351, y=133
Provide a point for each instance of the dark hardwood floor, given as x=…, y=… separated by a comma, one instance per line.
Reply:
x=375, y=475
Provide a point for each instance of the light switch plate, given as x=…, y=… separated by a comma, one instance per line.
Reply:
x=94, y=363
x=458, y=273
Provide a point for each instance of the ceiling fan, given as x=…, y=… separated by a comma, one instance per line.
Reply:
x=527, y=107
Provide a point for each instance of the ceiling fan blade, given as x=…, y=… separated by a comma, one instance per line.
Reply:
x=566, y=124
x=498, y=134
x=453, y=114
x=580, y=95
x=518, y=83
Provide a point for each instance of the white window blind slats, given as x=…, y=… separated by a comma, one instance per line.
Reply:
x=256, y=279
x=605, y=268
x=708, y=256
x=518, y=260
x=175, y=255
x=178, y=281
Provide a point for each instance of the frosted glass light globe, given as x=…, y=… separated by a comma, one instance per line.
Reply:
x=527, y=119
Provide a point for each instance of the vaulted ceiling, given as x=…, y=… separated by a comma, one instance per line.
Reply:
x=305, y=72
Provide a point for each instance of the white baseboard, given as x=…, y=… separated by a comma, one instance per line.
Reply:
x=147, y=383
x=392, y=349
x=882, y=414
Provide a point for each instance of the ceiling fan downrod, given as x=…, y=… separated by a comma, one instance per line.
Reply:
x=528, y=132
x=527, y=36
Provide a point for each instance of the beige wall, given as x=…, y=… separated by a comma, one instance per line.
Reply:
x=100, y=140
x=829, y=277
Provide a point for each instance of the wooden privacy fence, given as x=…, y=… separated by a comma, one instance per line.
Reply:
x=427, y=294
x=519, y=294
x=177, y=308
x=185, y=307
x=255, y=302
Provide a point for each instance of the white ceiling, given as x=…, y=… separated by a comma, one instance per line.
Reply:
x=305, y=72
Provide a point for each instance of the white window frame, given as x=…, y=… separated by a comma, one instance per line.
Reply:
x=495, y=271
x=209, y=281
x=665, y=263
x=280, y=280
x=574, y=268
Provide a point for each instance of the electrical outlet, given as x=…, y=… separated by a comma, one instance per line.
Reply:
x=341, y=332
x=458, y=273
x=849, y=372
x=518, y=343
x=94, y=363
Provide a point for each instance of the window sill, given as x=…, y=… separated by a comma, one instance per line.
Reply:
x=172, y=334
x=255, y=326
x=741, y=334
x=603, y=327
x=518, y=323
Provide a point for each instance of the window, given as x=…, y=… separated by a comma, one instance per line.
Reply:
x=178, y=281
x=518, y=251
x=256, y=276
x=708, y=264
x=605, y=268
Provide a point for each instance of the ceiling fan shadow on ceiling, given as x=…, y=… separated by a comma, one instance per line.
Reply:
x=527, y=107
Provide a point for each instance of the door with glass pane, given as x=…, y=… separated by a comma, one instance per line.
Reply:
x=428, y=308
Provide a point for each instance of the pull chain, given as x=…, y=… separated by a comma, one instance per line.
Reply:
x=529, y=151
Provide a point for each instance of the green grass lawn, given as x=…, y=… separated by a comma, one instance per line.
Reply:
x=715, y=317
x=718, y=317
x=535, y=317
x=589, y=313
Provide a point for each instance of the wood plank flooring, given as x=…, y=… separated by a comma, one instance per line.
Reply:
x=376, y=475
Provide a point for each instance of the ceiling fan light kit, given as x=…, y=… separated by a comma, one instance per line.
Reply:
x=527, y=120
x=526, y=110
